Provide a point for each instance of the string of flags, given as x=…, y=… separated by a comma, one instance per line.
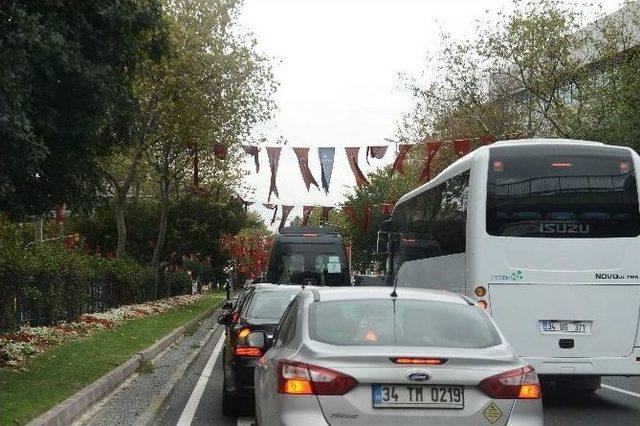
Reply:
x=461, y=147
x=285, y=210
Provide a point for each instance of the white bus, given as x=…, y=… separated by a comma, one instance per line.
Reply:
x=544, y=234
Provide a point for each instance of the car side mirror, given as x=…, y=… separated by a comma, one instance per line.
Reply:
x=227, y=305
x=257, y=339
x=224, y=319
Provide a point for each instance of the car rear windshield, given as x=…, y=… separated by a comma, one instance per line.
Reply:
x=562, y=191
x=383, y=322
x=270, y=305
x=316, y=264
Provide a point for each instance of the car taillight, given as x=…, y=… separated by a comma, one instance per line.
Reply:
x=242, y=349
x=234, y=316
x=299, y=378
x=515, y=384
x=248, y=351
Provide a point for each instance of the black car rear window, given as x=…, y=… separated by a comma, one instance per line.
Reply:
x=270, y=305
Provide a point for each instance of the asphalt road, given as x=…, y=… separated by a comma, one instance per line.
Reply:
x=196, y=399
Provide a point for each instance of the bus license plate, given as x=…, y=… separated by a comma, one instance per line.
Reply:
x=565, y=327
x=418, y=396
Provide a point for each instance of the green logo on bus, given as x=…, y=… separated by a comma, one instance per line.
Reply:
x=517, y=275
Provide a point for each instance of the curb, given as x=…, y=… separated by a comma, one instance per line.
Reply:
x=73, y=407
x=157, y=403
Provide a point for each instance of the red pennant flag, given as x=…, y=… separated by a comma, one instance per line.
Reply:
x=386, y=209
x=430, y=151
x=376, y=152
x=274, y=159
x=303, y=162
x=398, y=165
x=487, y=139
x=351, y=214
x=368, y=217
x=253, y=150
x=462, y=146
x=306, y=212
x=285, y=213
x=273, y=207
x=324, y=216
x=220, y=150
x=352, y=156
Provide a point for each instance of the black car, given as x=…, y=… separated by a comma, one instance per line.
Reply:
x=260, y=311
x=308, y=256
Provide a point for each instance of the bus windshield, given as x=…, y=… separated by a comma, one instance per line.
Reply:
x=311, y=264
x=562, y=191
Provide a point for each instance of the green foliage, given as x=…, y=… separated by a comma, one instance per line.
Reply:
x=65, y=84
x=48, y=283
x=55, y=375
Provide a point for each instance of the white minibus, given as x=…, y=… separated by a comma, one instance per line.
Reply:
x=545, y=235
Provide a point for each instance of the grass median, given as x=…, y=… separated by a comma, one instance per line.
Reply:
x=52, y=377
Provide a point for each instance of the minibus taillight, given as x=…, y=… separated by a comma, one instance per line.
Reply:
x=299, y=378
x=515, y=384
x=483, y=304
x=480, y=291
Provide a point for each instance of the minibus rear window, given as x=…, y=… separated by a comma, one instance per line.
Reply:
x=562, y=191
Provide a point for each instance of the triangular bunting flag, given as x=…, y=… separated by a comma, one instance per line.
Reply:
x=253, y=150
x=351, y=214
x=285, y=214
x=273, y=207
x=487, y=139
x=386, y=209
x=368, y=217
x=326, y=164
x=306, y=212
x=324, y=215
x=461, y=146
x=303, y=163
x=352, y=156
x=398, y=164
x=376, y=152
x=274, y=157
x=431, y=149
x=220, y=150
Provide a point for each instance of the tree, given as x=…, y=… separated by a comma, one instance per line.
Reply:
x=212, y=89
x=65, y=84
x=537, y=70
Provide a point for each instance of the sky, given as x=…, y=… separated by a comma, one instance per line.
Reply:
x=338, y=65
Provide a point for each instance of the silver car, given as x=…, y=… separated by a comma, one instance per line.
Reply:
x=362, y=357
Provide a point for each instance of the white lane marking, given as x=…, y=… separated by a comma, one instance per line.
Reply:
x=246, y=421
x=624, y=391
x=190, y=409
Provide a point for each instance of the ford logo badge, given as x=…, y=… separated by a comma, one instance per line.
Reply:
x=418, y=376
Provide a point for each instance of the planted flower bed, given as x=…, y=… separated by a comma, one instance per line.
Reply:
x=17, y=347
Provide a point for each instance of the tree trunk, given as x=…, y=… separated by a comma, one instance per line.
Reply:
x=119, y=202
x=162, y=233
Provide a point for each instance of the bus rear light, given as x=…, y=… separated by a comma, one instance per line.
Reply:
x=299, y=378
x=483, y=304
x=624, y=167
x=309, y=235
x=515, y=384
x=562, y=165
x=480, y=291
